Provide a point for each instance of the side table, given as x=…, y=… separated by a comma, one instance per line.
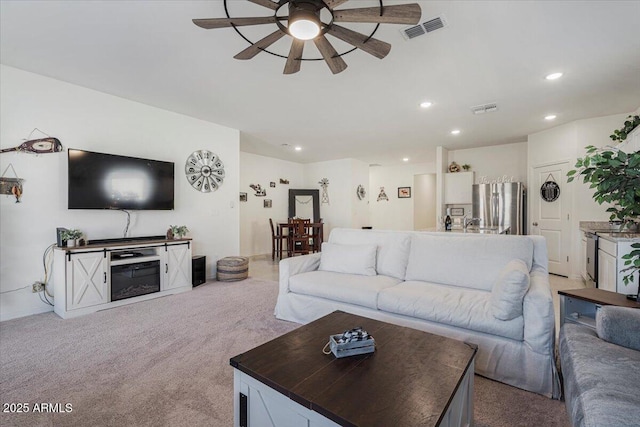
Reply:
x=581, y=305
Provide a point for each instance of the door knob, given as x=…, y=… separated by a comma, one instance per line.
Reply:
x=535, y=224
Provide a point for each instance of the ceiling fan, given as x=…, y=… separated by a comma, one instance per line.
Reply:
x=311, y=20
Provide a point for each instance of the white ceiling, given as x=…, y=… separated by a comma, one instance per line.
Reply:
x=490, y=51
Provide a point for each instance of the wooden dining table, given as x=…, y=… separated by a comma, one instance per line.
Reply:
x=313, y=228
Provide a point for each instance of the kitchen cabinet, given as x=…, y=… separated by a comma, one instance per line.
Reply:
x=583, y=259
x=611, y=264
x=606, y=271
x=457, y=188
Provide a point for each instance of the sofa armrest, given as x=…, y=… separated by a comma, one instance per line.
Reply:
x=296, y=265
x=619, y=325
x=539, y=320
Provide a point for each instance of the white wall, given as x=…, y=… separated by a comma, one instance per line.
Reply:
x=424, y=204
x=395, y=214
x=86, y=119
x=255, y=233
x=566, y=143
x=344, y=208
x=494, y=161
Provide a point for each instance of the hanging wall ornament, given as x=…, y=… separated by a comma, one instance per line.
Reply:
x=260, y=192
x=11, y=186
x=382, y=195
x=324, y=183
x=550, y=190
x=204, y=171
x=37, y=146
x=361, y=192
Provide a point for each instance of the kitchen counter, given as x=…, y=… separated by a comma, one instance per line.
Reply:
x=616, y=237
x=604, y=231
x=471, y=230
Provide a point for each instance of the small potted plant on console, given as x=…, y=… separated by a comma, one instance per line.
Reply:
x=70, y=236
x=177, y=231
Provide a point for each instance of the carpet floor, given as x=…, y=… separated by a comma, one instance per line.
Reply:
x=165, y=362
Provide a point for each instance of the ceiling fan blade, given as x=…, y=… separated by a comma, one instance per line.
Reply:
x=260, y=45
x=213, y=23
x=293, y=60
x=336, y=63
x=266, y=3
x=334, y=3
x=399, y=14
x=372, y=46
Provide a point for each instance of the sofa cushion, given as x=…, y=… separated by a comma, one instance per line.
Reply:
x=348, y=288
x=509, y=290
x=600, y=379
x=351, y=259
x=393, y=247
x=451, y=305
x=469, y=261
x=619, y=325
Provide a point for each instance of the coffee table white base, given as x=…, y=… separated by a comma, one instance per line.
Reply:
x=268, y=408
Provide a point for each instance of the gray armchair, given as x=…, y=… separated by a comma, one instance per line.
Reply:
x=601, y=369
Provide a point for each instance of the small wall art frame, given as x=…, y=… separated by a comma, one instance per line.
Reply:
x=243, y=197
x=267, y=203
x=457, y=211
x=404, y=192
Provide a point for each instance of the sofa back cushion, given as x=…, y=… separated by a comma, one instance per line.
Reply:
x=393, y=247
x=467, y=261
x=350, y=259
x=509, y=290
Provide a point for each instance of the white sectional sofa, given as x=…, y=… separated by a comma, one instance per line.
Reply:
x=492, y=291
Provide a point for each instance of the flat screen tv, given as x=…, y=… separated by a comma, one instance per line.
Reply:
x=107, y=181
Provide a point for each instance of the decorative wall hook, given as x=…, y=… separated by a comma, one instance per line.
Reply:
x=11, y=186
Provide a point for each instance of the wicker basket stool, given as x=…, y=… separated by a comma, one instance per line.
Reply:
x=233, y=268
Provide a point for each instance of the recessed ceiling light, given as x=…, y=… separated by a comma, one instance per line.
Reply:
x=550, y=117
x=406, y=159
x=455, y=132
x=298, y=148
x=425, y=104
x=553, y=76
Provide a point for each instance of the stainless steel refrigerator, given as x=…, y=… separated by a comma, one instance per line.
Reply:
x=501, y=205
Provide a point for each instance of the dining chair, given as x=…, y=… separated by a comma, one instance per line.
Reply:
x=276, y=242
x=299, y=237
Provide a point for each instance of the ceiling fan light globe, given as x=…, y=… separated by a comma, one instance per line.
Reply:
x=304, y=29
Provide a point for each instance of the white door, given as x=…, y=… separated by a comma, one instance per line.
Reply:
x=177, y=269
x=551, y=219
x=89, y=279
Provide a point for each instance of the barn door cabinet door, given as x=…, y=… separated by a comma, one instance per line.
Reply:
x=177, y=267
x=87, y=280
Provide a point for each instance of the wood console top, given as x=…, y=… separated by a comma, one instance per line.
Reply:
x=600, y=296
x=131, y=242
x=409, y=380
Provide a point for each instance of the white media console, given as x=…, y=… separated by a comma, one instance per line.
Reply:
x=95, y=277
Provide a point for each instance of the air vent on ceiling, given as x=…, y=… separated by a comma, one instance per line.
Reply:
x=486, y=108
x=424, y=28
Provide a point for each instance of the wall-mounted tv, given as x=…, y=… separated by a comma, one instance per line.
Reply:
x=108, y=181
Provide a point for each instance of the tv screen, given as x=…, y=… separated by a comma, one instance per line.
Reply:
x=107, y=181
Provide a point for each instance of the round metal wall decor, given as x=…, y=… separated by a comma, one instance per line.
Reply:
x=204, y=171
x=550, y=191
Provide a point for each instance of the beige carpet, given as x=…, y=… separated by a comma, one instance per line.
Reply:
x=165, y=362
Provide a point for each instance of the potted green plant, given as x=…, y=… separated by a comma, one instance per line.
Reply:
x=629, y=125
x=178, y=231
x=615, y=176
x=70, y=236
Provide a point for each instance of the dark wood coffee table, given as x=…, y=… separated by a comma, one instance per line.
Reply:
x=413, y=379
